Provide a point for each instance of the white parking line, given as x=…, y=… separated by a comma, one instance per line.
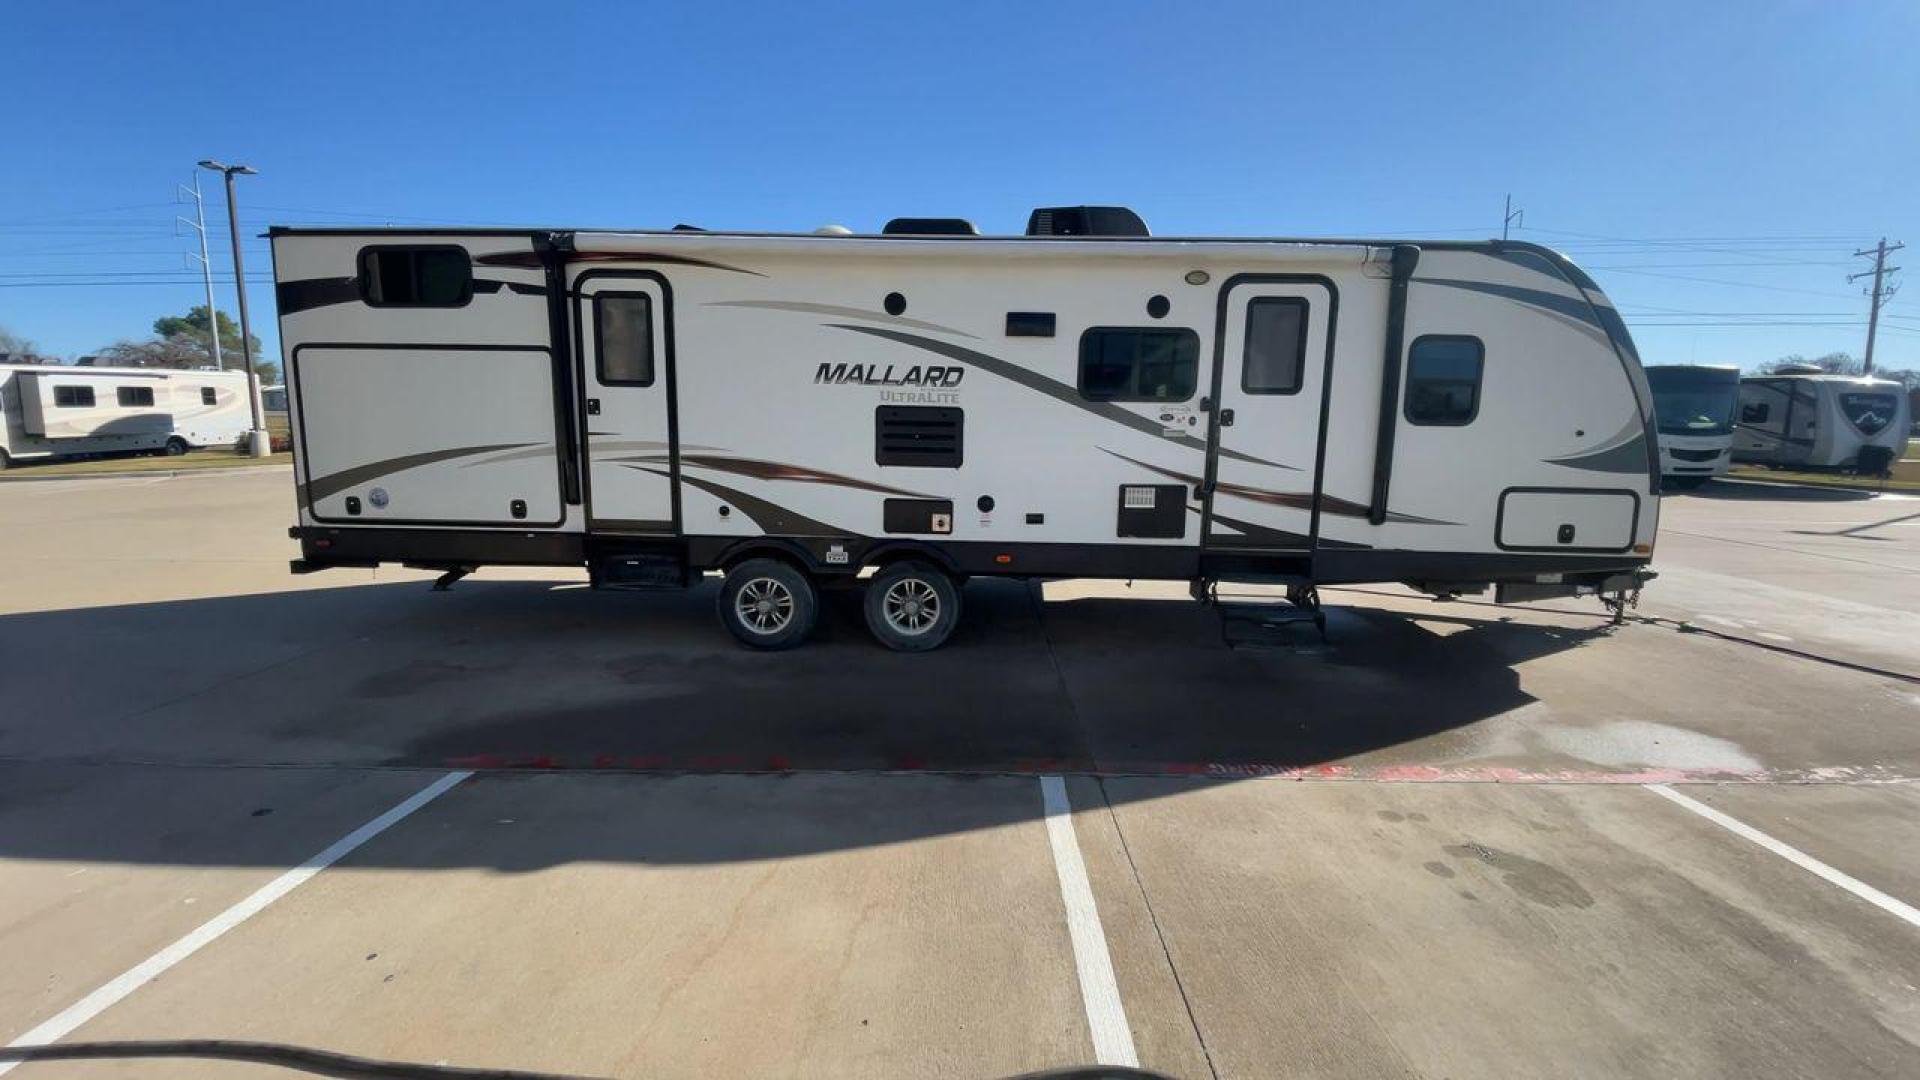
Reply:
x=1793, y=855
x=64, y=1022
x=1099, y=993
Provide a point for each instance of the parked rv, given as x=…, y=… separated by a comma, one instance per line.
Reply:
x=54, y=411
x=1812, y=420
x=1693, y=409
x=899, y=412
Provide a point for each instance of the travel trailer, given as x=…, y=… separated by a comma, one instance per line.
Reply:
x=1805, y=418
x=1693, y=410
x=902, y=411
x=53, y=410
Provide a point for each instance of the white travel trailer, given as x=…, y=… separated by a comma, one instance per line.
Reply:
x=899, y=412
x=1805, y=418
x=1693, y=409
x=54, y=410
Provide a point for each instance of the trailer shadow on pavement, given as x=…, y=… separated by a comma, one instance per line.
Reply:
x=530, y=675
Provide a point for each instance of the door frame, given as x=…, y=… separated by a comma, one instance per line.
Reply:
x=1222, y=304
x=578, y=299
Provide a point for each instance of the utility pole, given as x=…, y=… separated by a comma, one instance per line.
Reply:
x=1512, y=217
x=261, y=446
x=1880, y=291
x=199, y=225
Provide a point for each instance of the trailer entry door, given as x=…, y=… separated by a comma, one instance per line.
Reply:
x=1269, y=380
x=622, y=322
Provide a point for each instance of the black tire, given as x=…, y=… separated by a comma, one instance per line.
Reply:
x=176, y=446
x=1683, y=483
x=767, y=604
x=912, y=606
x=4, y=461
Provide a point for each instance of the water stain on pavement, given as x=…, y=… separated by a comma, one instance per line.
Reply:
x=1533, y=880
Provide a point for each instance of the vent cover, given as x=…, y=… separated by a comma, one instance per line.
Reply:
x=926, y=436
x=1085, y=221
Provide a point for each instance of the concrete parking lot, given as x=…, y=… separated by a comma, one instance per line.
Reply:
x=1461, y=840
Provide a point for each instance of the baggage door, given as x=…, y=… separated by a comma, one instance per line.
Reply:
x=1269, y=379
x=622, y=328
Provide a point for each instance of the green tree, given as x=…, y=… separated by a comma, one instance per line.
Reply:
x=193, y=327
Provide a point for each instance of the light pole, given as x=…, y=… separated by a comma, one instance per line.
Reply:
x=260, y=446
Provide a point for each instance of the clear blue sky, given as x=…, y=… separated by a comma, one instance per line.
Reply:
x=1752, y=145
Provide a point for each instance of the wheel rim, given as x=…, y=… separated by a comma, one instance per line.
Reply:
x=911, y=606
x=764, y=605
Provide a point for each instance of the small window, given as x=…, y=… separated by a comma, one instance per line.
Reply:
x=134, y=397
x=1443, y=380
x=416, y=276
x=73, y=397
x=1755, y=412
x=206, y=395
x=1276, y=345
x=1125, y=364
x=923, y=436
x=623, y=338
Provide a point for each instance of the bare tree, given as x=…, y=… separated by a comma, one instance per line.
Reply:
x=15, y=349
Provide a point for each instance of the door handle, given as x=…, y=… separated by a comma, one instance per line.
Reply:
x=1226, y=417
x=593, y=406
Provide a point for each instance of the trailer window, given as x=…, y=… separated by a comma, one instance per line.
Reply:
x=206, y=395
x=1276, y=342
x=1126, y=364
x=1755, y=412
x=134, y=397
x=623, y=338
x=416, y=276
x=73, y=397
x=1443, y=380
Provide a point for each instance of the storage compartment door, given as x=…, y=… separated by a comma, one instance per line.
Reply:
x=427, y=435
x=1572, y=520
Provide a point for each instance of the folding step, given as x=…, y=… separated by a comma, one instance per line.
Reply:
x=1272, y=622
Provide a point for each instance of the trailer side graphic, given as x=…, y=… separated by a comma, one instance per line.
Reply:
x=808, y=411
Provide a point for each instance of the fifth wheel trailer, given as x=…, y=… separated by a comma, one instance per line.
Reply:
x=899, y=412
x=56, y=410
x=1804, y=418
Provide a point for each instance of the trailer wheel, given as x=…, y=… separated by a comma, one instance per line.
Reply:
x=176, y=446
x=4, y=461
x=912, y=606
x=767, y=604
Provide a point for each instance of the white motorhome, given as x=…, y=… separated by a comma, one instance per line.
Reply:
x=55, y=410
x=1693, y=410
x=901, y=411
x=1805, y=418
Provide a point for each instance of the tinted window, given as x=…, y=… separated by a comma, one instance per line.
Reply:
x=73, y=397
x=206, y=395
x=416, y=276
x=1755, y=412
x=1443, y=380
x=1123, y=364
x=134, y=396
x=623, y=333
x=1276, y=344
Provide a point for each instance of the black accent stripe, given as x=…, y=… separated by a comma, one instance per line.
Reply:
x=308, y=293
x=531, y=259
x=1059, y=391
x=334, y=483
x=1297, y=500
x=305, y=294
x=1568, y=306
x=773, y=519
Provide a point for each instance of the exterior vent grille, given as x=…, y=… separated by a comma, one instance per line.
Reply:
x=1695, y=455
x=926, y=436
